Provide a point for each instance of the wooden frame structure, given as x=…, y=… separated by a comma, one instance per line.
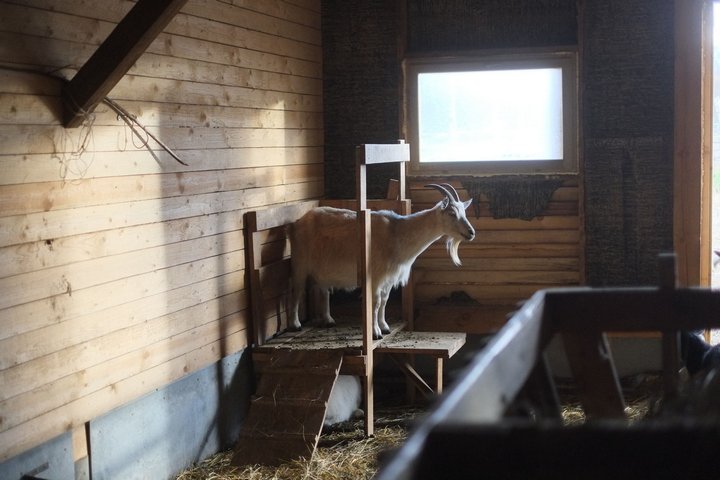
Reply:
x=472, y=415
x=349, y=348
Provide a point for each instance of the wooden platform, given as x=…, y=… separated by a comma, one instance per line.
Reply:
x=347, y=338
x=297, y=373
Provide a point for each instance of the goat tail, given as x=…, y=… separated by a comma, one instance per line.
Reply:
x=452, y=247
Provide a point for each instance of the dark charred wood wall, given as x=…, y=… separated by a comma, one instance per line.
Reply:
x=627, y=86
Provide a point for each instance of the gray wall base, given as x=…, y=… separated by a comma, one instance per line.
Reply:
x=156, y=436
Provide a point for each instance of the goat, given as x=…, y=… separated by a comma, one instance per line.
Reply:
x=324, y=250
x=344, y=401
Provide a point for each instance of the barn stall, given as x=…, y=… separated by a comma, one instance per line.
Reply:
x=126, y=303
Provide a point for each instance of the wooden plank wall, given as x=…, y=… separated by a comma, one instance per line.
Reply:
x=122, y=272
x=508, y=261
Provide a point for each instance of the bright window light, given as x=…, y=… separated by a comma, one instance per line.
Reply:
x=490, y=115
x=513, y=112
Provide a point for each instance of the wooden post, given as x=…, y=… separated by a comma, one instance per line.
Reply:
x=253, y=278
x=364, y=281
x=693, y=141
x=592, y=366
x=81, y=450
x=670, y=339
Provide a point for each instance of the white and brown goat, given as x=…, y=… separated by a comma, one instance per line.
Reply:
x=325, y=251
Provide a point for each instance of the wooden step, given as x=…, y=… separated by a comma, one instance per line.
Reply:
x=287, y=412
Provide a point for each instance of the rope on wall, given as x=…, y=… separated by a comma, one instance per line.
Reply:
x=513, y=196
x=135, y=126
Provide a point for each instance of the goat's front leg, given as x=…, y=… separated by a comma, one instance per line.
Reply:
x=382, y=323
x=377, y=333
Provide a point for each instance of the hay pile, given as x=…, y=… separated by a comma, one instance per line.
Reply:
x=343, y=453
x=642, y=393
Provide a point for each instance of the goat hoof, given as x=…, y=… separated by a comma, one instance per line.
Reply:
x=293, y=328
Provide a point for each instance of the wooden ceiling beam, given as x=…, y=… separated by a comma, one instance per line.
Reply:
x=115, y=56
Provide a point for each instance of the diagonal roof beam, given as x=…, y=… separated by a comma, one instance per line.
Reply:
x=115, y=56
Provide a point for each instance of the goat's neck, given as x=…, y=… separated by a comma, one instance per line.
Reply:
x=417, y=231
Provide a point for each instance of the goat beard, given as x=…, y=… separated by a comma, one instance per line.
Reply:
x=452, y=247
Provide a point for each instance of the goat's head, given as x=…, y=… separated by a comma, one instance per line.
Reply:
x=455, y=224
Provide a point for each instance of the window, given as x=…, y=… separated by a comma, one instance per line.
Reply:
x=493, y=113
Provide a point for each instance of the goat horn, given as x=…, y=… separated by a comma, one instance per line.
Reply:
x=442, y=189
x=454, y=192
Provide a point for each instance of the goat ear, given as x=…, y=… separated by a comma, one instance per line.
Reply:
x=467, y=203
x=445, y=202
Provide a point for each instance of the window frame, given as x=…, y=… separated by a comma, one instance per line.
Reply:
x=564, y=58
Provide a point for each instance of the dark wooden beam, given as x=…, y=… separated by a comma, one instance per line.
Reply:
x=115, y=56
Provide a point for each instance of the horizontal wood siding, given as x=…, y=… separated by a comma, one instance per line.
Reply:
x=508, y=261
x=122, y=272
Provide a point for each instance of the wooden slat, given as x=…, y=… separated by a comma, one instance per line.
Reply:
x=279, y=216
x=33, y=256
x=473, y=250
x=61, y=223
x=288, y=410
x=277, y=13
x=43, y=197
x=412, y=375
x=541, y=223
x=23, y=138
x=67, y=279
x=47, y=167
x=441, y=344
x=27, y=109
x=384, y=153
x=470, y=319
x=528, y=264
x=115, y=56
x=516, y=277
x=115, y=298
x=484, y=294
x=52, y=53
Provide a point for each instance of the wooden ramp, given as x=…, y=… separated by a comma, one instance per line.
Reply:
x=287, y=411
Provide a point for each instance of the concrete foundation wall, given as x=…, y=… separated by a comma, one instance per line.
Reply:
x=156, y=436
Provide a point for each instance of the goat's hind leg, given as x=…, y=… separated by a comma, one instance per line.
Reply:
x=298, y=292
x=382, y=323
